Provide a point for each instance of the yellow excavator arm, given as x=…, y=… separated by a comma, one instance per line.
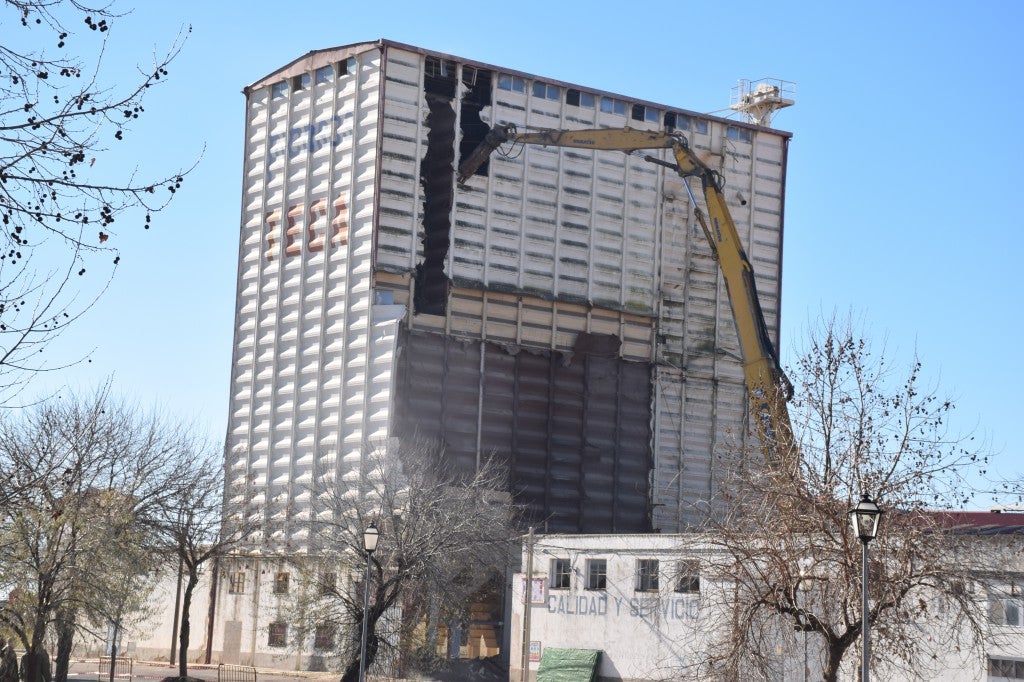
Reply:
x=767, y=385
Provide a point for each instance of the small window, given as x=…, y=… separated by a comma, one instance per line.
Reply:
x=561, y=574
x=277, y=634
x=597, y=574
x=324, y=75
x=741, y=134
x=675, y=121
x=439, y=68
x=643, y=112
x=301, y=82
x=323, y=637
x=281, y=583
x=647, y=575
x=1006, y=668
x=328, y=583
x=511, y=83
x=610, y=105
x=236, y=584
x=701, y=126
x=687, y=577
x=545, y=91
x=345, y=67
x=1005, y=610
x=278, y=90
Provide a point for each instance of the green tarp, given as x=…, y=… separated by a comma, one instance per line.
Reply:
x=569, y=665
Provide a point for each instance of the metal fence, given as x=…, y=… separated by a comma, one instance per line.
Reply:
x=122, y=669
x=235, y=673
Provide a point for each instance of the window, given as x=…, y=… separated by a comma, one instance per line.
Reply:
x=741, y=134
x=346, y=66
x=610, y=105
x=597, y=574
x=579, y=99
x=545, y=91
x=644, y=113
x=511, y=83
x=439, y=68
x=323, y=637
x=676, y=121
x=324, y=75
x=647, y=575
x=1006, y=668
x=687, y=577
x=1006, y=612
x=236, y=584
x=281, y=583
x=278, y=634
x=301, y=82
x=328, y=583
x=561, y=574
x=278, y=90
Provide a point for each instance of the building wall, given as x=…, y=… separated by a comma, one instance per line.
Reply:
x=564, y=303
x=353, y=227
x=656, y=635
x=313, y=351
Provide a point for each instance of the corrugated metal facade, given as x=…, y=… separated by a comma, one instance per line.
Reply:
x=565, y=301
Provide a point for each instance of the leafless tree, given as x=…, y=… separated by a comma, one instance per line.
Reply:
x=785, y=550
x=60, y=195
x=195, y=529
x=89, y=470
x=445, y=540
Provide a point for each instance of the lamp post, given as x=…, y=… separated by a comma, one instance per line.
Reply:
x=804, y=585
x=865, y=517
x=370, y=536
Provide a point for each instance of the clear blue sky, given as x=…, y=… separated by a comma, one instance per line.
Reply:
x=903, y=196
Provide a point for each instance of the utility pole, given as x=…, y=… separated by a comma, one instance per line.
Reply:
x=524, y=662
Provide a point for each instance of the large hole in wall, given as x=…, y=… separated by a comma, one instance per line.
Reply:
x=437, y=177
x=473, y=128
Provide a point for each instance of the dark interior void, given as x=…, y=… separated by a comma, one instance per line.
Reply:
x=574, y=431
x=476, y=98
x=437, y=176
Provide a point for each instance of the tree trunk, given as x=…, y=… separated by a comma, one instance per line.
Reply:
x=31, y=659
x=186, y=602
x=835, y=657
x=352, y=670
x=65, y=626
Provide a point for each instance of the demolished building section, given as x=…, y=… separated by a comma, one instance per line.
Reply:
x=562, y=312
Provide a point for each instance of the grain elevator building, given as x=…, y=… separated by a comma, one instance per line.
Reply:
x=561, y=311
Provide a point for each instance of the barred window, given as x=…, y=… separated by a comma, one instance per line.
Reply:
x=561, y=574
x=647, y=575
x=277, y=634
x=597, y=574
x=236, y=584
x=323, y=637
x=687, y=577
x=1006, y=668
x=281, y=580
x=328, y=583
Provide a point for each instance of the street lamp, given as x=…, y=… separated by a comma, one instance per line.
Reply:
x=370, y=536
x=865, y=517
x=804, y=585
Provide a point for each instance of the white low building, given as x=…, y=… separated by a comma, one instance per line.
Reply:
x=649, y=605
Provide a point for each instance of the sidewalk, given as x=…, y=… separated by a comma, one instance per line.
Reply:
x=149, y=671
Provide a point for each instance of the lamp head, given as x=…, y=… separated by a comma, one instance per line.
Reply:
x=370, y=536
x=865, y=517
